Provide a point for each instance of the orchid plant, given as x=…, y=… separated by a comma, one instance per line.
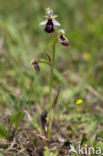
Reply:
x=49, y=23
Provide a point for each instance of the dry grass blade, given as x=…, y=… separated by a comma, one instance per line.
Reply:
x=48, y=55
x=56, y=99
x=44, y=121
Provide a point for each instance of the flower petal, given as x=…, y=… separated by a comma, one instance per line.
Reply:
x=55, y=22
x=61, y=32
x=44, y=22
x=49, y=12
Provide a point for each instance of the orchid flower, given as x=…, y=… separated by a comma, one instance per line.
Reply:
x=63, y=40
x=50, y=21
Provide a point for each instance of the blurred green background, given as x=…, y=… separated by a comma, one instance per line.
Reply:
x=80, y=66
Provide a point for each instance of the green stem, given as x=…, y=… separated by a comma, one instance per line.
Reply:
x=44, y=61
x=51, y=86
x=51, y=73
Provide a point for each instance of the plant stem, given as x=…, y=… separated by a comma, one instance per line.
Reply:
x=51, y=86
x=44, y=61
x=51, y=73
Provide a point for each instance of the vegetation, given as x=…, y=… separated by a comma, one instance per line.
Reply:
x=25, y=94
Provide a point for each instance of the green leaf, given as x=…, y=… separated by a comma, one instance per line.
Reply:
x=3, y=131
x=12, y=97
x=35, y=124
x=1, y=152
x=17, y=117
x=48, y=153
x=20, y=104
x=100, y=144
x=70, y=128
x=12, y=102
x=91, y=126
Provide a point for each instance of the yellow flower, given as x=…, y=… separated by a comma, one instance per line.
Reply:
x=79, y=101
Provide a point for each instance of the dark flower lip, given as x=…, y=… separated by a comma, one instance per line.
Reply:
x=62, y=38
x=37, y=68
x=49, y=26
x=49, y=31
x=65, y=43
x=35, y=63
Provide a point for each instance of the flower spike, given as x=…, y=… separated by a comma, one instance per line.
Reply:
x=50, y=21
